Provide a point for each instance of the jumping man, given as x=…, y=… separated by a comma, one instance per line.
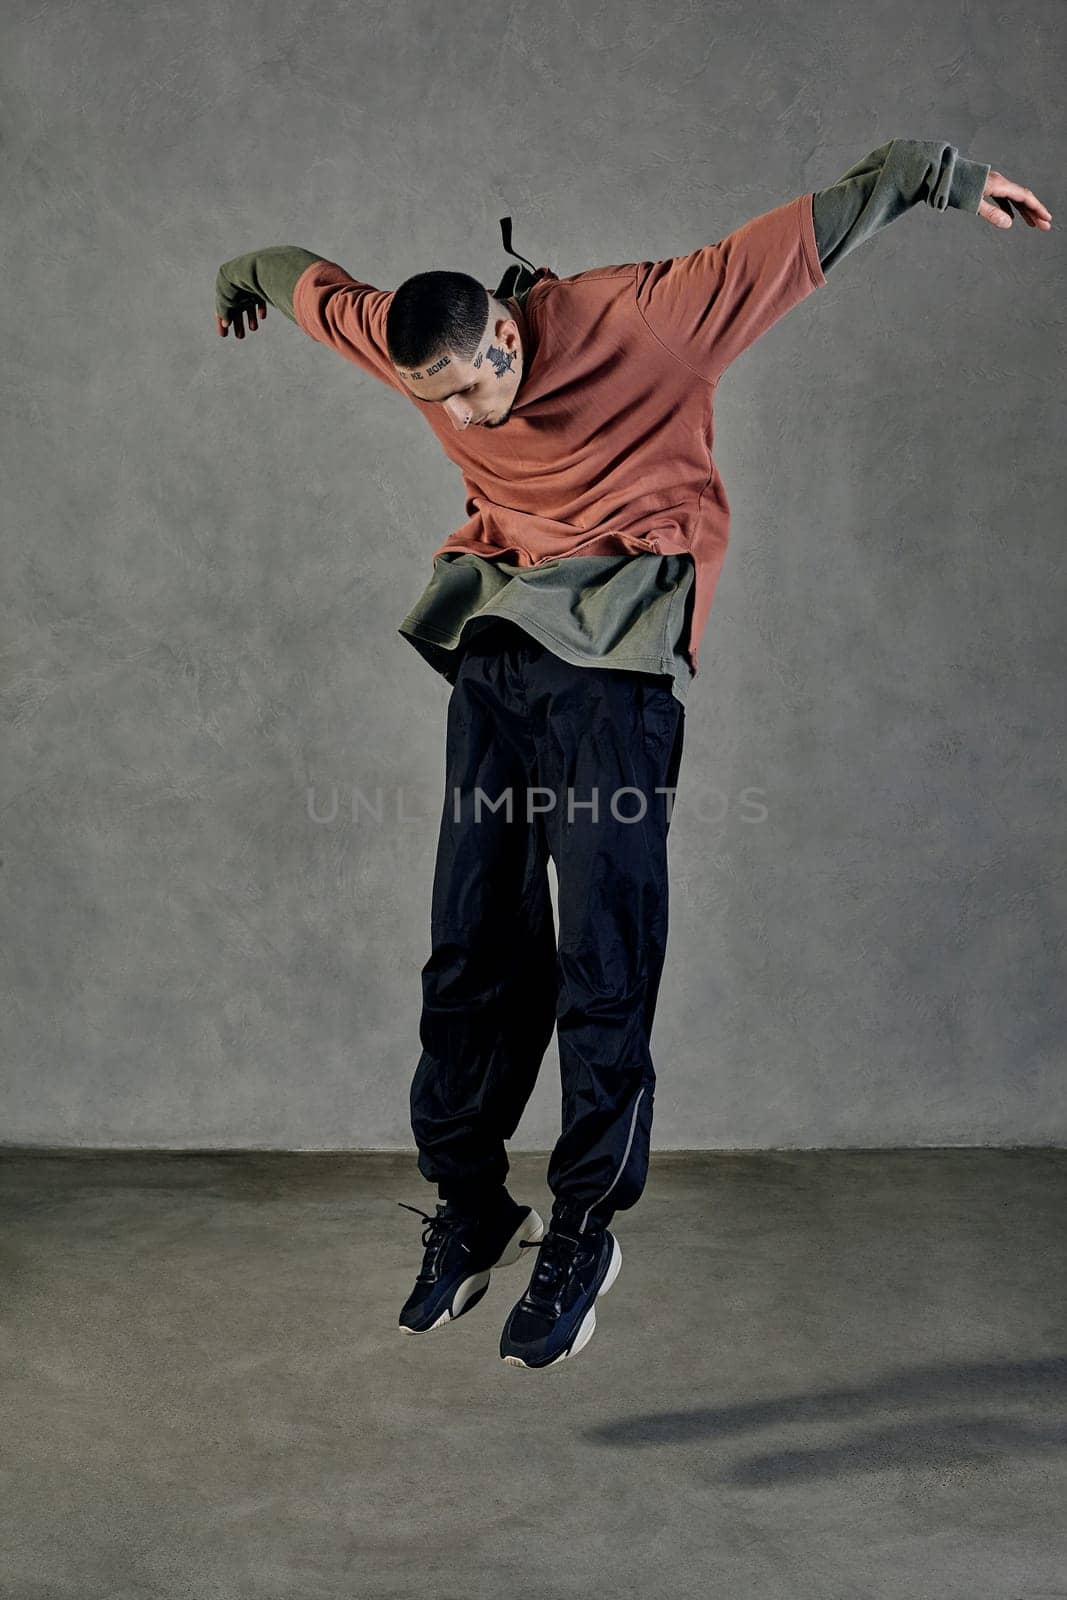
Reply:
x=567, y=613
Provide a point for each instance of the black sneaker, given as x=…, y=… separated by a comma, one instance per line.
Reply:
x=461, y=1250
x=556, y=1317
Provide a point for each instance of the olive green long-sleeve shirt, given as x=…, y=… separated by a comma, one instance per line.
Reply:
x=621, y=611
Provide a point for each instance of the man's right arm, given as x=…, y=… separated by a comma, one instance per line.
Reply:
x=326, y=302
x=266, y=276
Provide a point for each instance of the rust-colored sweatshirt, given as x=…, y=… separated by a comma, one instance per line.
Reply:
x=606, y=458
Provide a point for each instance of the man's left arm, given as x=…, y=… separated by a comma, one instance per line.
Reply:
x=906, y=173
x=708, y=306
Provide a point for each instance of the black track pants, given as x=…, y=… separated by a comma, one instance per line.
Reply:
x=543, y=757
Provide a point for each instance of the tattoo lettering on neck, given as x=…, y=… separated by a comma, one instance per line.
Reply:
x=503, y=360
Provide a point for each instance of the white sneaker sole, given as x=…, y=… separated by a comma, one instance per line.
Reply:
x=470, y=1291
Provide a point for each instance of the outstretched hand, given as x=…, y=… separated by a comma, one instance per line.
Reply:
x=997, y=198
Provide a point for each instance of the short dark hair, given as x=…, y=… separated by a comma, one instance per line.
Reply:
x=434, y=313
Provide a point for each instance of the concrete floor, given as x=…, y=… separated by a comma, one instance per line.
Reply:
x=820, y=1376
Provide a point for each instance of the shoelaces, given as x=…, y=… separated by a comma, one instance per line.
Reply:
x=438, y=1228
x=557, y=1249
x=554, y=1264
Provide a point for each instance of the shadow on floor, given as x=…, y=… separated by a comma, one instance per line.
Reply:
x=924, y=1441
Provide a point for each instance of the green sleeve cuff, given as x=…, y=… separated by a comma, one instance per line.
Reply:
x=885, y=184
x=968, y=184
x=269, y=274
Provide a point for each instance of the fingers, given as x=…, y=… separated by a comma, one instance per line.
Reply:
x=236, y=319
x=1036, y=214
x=997, y=212
x=996, y=206
x=1023, y=197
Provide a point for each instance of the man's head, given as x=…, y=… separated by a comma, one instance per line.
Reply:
x=454, y=344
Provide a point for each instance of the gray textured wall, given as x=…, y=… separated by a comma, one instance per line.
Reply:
x=208, y=547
